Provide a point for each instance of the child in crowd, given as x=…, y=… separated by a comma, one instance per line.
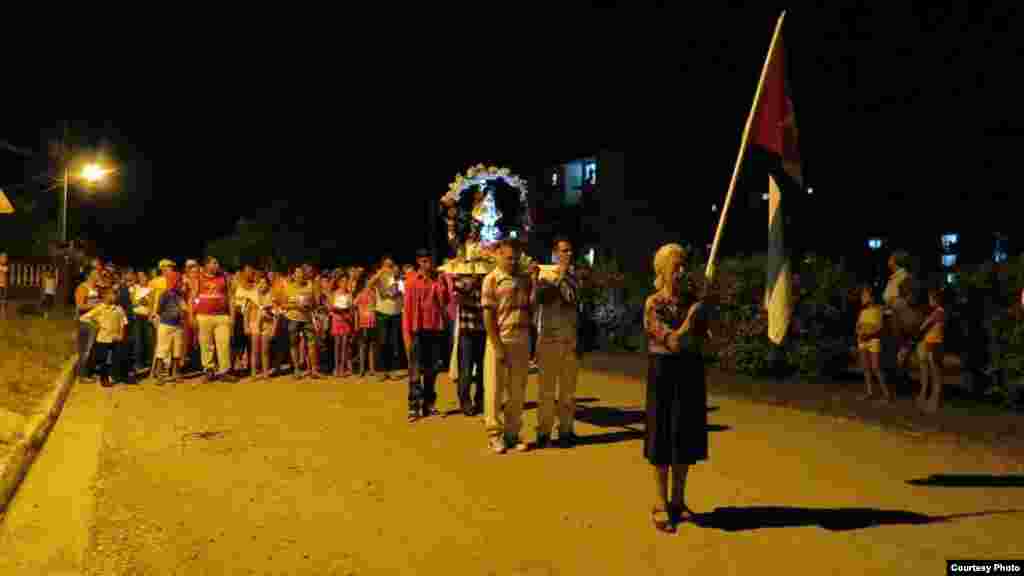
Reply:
x=49, y=292
x=342, y=322
x=111, y=323
x=5, y=270
x=262, y=326
x=366, y=325
x=171, y=309
x=931, y=353
x=869, y=343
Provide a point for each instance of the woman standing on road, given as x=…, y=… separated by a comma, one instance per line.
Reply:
x=676, y=431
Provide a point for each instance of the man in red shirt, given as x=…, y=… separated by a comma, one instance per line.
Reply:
x=212, y=309
x=423, y=324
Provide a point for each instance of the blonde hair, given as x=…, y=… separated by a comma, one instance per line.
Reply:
x=662, y=258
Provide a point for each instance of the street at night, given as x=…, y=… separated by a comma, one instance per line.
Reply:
x=325, y=478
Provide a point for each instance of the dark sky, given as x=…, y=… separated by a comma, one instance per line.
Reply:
x=902, y=112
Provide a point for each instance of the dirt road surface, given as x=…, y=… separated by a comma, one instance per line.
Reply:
x=327, y=478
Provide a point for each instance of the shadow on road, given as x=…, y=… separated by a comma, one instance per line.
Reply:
x=629, y=434
x=608, y=417
x=970, y=481
x=836, y=519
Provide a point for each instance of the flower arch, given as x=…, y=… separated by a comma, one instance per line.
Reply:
x=481, y=177
x=473, y=231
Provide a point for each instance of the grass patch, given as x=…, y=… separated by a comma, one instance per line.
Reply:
x=32, y=353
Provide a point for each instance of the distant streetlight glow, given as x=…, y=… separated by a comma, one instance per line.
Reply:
x=764, y=196
x=93, y=173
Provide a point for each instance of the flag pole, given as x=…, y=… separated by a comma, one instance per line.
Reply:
x=710, y=271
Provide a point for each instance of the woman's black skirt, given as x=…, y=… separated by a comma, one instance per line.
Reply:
x=677, y=418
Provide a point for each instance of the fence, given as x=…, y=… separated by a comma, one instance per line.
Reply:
x=25, y=279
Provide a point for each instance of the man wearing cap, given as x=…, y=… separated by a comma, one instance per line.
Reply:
x=212, y=310
x=157, y=286
x=423, y=324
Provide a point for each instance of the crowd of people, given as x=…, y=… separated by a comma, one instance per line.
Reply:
x=488, y=330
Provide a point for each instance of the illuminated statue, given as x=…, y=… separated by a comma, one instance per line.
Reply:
x=486, y=213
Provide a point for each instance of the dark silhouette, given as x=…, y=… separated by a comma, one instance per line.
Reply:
x=610, y=437
x=970, y=481
x=608, y=417
x=835, y=519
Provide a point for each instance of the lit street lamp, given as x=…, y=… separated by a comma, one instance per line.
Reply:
x=91, y=174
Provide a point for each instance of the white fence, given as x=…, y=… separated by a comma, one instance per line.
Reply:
x=27, y=275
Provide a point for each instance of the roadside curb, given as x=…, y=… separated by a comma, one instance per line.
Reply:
x=15, y=465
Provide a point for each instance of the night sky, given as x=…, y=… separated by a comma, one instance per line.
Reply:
x=904, y=114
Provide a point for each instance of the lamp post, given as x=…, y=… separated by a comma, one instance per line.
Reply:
x=92, y=173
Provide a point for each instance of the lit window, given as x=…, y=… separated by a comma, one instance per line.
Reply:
x=1000, y=256
x=949, y=260
x=591, y=176
x=764, y=196
x=714, y=207
x=875, y=243
x=810, y=190
x=950, y=278
x=949, y=241
x=590, y=257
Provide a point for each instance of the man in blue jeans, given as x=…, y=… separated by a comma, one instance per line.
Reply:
x=472, y=340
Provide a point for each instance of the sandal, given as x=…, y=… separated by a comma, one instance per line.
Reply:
x=665, y=526
x=314, y=376
x=863, y=397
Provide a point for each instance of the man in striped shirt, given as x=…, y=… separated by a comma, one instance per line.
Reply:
x=507, y=300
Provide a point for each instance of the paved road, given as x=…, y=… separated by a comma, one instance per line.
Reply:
x=324, y=478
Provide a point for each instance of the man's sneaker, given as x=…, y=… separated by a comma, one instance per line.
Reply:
x=518, y=445
x=543, y=441
x=497, y=445
x=534, y=368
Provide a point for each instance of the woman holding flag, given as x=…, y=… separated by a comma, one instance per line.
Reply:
x=676, y=431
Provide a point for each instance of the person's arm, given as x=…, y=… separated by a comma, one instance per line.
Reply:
x=92, y=315
x=81, y=296
x=408, y=310
x=656, y=330
x=489, y=302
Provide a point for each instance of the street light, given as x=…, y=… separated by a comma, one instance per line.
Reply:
x=92, y=173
